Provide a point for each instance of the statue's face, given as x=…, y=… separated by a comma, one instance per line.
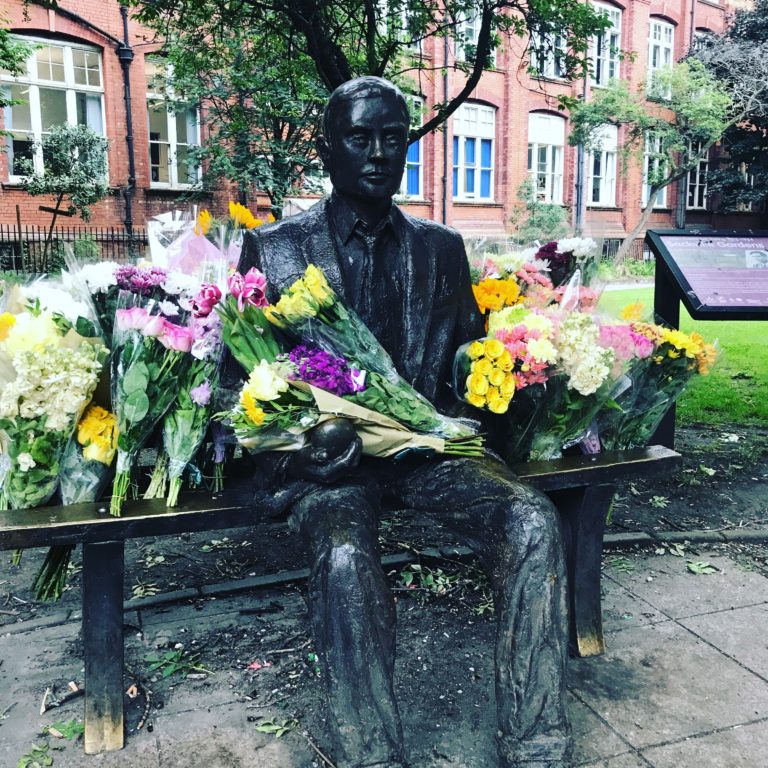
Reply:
x=365, y=152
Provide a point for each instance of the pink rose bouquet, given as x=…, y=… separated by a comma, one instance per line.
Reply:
x=149, y=356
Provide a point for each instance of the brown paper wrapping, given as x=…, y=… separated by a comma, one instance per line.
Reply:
x=381, y=435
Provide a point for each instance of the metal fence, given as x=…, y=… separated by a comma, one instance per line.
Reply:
x=22, y=249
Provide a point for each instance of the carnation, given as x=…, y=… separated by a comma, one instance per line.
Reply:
x=100, y=277
x=57, y=300
x=179, y=283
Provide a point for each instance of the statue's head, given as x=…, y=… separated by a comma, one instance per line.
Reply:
x=364, y=138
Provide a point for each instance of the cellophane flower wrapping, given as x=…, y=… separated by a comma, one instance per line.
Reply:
x=657, y=379
x=149, y=356
x=316, y=370
x=86, y=468
x=204, y=249
x=186, y=423
x=48, y=374
x=312, y=313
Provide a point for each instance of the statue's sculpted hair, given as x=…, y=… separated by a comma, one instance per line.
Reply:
x=360, y=86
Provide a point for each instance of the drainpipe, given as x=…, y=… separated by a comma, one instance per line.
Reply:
x=580, y=202
x=682, y=185
x=445, y=132
x=125, y=54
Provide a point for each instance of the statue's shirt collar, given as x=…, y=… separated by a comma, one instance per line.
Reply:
x=347, y=223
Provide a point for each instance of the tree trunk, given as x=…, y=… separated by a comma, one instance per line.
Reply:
x=46, y=247
x=626, y=243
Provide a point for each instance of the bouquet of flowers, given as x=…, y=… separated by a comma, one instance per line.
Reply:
x=567, y=255
x=338, y=368
x=48, y=373
x=186, y=423
x=149, y=356
x=658, y=378
x=562, y=376
x=204, y=249
x=85, y=470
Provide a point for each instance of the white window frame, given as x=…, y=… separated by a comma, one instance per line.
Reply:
x=170, y=99
x=661, y=53
x=34, y=83
x=476, y=123
x=467, y=33
x=416, y=104
x=547, y=55
x=657, y=161
x=697, y=182
x=605, y=155
x=546, y=142
x=605, y=48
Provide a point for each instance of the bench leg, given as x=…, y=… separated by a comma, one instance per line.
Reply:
x=584, y=512
x=103, y=645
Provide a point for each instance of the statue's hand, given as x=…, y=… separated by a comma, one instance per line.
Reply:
x=333, y=451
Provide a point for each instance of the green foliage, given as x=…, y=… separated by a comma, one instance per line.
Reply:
x=37, y=757
x=278, y=728
x=738, y=178
x=13, y=58
x=69, y=729
x=701, y=107
x=262, y=100
x=75, y=168
x=173, y=662
x=535, y=220
x=701, y=567
x=736, y=390
x=347, y=38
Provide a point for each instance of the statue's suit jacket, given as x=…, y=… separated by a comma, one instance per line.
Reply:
x=437, y=312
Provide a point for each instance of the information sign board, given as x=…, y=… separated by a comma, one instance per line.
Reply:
x=717, y=275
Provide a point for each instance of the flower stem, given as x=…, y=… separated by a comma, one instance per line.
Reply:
x=119, y=491
x=218, y=477
x=173, y=492
x=157, y=484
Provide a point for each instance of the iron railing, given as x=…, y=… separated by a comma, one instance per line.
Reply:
x=24, y=249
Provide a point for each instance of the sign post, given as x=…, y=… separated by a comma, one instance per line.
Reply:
x=716, y=275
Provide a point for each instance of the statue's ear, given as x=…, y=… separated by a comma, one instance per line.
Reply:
x=324, y=150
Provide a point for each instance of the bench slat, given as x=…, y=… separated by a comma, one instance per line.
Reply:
x=92, y=523
x=597, y=469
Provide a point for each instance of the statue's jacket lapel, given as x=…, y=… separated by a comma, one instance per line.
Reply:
x=284, y=250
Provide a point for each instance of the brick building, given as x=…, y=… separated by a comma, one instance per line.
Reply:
x=467, y=176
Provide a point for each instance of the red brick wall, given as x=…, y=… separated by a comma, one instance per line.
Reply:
x=508, y=88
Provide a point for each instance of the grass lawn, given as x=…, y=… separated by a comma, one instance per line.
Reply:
x=736, y=391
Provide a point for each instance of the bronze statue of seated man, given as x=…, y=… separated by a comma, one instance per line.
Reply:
x=409, y=281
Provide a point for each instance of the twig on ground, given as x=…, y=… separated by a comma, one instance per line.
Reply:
x=5, y=712
x=288, y=650
x=67, y=697
x=314, y=746
x=46, y=695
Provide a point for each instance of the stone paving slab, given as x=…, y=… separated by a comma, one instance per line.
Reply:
x=658, y=683
x=660, y=697
x=678, y=593
x=741, y=747
x=718, y=629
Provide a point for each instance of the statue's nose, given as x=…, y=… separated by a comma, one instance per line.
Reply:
x=377, y=148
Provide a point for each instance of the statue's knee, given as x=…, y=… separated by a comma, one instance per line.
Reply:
x=532, y=522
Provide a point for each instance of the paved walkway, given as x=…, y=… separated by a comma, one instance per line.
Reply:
x=684, y=681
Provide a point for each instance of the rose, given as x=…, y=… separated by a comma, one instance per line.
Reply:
x=155, y=326
x=133, y=319
x=176, y=338
x=250, y=288
x=206, y=300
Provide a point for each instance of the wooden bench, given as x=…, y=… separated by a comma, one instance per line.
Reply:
x=582, y=488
